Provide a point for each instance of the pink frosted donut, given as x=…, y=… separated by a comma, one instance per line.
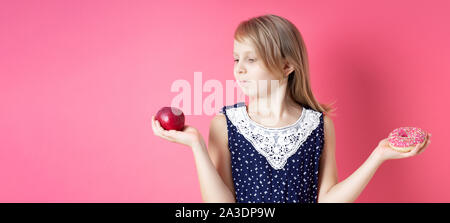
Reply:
x=404, y=139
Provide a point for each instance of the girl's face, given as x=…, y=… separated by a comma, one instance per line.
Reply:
x=249, y=70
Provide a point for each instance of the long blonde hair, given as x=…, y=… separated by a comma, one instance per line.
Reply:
x=279, y=41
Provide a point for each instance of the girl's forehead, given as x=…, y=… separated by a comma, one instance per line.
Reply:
x=243, y=47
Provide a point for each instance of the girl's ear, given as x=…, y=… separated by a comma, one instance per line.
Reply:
x=288, y=69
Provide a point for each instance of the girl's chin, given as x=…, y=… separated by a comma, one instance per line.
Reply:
x=248, y=92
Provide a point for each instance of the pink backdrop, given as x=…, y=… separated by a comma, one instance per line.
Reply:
x=79, y=81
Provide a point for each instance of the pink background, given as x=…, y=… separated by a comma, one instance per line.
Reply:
x=79, y=81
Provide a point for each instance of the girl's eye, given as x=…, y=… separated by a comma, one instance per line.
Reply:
x=250, y=60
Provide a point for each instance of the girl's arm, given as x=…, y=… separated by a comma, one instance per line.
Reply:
x=210, y=172
x=349, y=189
x=214, y=171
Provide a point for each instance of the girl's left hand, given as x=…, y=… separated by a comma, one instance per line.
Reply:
x=189, y=136
x=384, y=152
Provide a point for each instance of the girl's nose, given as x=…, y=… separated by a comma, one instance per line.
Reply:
x=240, y=69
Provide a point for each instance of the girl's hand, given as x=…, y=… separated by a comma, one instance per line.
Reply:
x=188, y=136
x=384, y=152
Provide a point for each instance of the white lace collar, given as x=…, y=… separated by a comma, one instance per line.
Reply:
x=276, y=144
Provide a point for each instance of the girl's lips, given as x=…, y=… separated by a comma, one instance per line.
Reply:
x=245, y=84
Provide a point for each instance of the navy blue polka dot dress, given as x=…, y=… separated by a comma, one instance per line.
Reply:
x=274, y=165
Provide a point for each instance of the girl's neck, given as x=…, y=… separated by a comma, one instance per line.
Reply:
x=278, y=109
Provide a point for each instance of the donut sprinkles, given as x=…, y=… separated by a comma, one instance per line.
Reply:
x=404, y=139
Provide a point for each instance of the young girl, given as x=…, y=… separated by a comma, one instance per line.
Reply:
x=281, y=147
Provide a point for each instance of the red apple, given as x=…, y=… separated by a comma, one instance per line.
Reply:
x=170, y=118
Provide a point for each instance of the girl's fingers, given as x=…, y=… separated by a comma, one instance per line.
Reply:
x=426, y=145
x=427, y=141
x=157, y=129
x=421, y=147
x=415, y=150
x=158, y=126
x=168, y=135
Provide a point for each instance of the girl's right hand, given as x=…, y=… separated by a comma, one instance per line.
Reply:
x=189, y=136
x=384, y=152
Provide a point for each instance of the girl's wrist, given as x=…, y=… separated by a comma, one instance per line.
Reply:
x=198, y=144
x=378, y=156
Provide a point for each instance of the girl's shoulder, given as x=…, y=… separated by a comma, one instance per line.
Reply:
x=226, y=108
x=218, y=134
x=218, y=123
x=220, y=120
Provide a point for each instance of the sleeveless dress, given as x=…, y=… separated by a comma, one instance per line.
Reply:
x=274, y=165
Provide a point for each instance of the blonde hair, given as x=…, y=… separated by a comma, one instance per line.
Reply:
x=279, y=41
